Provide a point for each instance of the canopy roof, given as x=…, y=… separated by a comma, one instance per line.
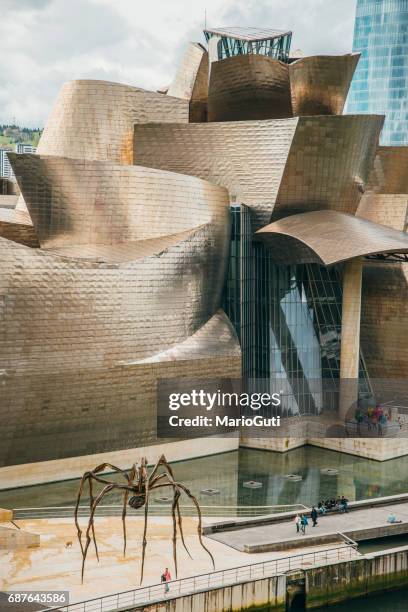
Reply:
x=328, y=237
x=248, y=34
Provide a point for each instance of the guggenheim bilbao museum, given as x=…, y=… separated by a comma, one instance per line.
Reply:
x=234, y=224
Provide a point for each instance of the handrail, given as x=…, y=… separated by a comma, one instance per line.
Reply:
x=113, y=509
x=348, y=540
x=204, y=582
x=163, y=505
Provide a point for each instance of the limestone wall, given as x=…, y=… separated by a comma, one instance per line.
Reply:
x=380, y=450
x=72, y=467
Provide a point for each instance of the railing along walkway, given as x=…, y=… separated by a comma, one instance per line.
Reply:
x=186, y=586
x=155, y=510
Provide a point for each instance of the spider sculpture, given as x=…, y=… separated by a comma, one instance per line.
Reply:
x=137, y=487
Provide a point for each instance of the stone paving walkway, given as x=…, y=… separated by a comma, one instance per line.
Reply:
x=285, y=531
x=52, y=566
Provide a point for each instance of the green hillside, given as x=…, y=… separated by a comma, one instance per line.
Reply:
x=11, y=134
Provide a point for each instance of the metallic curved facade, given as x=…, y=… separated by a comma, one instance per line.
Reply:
x=385, y=284
x=128, y=285
x=386, y=196
x=94, y=119
x=128, y=199
x=191, y=81
x=91, y=337
x=301, y=164
x=249, y=87
x=319, y=84
x=16, y=225
x=384, y=319
x=328, y=165
x=327, y=237
x=82, y=202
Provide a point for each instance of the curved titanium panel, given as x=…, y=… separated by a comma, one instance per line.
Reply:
x=246, y=87
x=320, y=83
x=132, y=310
x=82, y=342
x=131, y=294
x=327, y=237
x=386, y=197
x=16, y=225
x=94, y=119
x=385, y=285
x=276, y=167
x=384, y=319
x=191, y=81
x=248, y=158
x=328, y=165
x=80, y=202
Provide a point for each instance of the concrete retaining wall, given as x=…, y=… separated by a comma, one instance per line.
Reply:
x=376, y=572
x=377, y=449
x=73, y=467
x=265, y=595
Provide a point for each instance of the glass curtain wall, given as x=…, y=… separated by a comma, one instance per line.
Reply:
x=288, y=319
x=381, y=78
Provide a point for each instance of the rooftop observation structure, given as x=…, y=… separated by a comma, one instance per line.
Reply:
x=248, y=41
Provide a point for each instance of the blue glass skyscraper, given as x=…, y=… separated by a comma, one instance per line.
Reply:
x=380, y=84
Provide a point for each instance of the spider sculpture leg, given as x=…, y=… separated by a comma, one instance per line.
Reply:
x=124, y=508
x=108, y=488
x=84, y=478
x=153, y=484
x=88, y=477
x=180, y=524
x=173, y=514
x=144, y=542
x=91, y=501
x=167, y=467
x=199, y=526
x=170, y=475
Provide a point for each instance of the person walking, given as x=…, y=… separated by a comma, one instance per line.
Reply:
x=166, y=577
x=313, y=515
x=297, y=523
x=304, y=522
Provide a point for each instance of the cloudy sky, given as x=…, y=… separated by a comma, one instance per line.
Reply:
x=46, y=42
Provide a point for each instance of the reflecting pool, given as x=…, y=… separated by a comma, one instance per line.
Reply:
x=354, y=477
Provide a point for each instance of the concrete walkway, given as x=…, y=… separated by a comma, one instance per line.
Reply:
x=361, y=524
x=53, y=566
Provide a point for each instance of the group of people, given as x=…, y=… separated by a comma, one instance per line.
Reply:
x=301, y=523
x=301, y=520
x=373, y=416
x=340, y=504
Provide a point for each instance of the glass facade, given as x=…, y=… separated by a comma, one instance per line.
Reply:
x=277, y=47
x=288, y=319
x=381, y=78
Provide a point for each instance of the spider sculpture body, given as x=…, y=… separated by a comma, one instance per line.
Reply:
x=137, y=486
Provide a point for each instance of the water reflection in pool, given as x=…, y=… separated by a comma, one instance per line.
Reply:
x=356, y=478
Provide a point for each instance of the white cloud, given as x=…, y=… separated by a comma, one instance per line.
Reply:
x=47, y=42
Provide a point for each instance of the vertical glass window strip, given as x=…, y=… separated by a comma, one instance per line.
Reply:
x=288, y=319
